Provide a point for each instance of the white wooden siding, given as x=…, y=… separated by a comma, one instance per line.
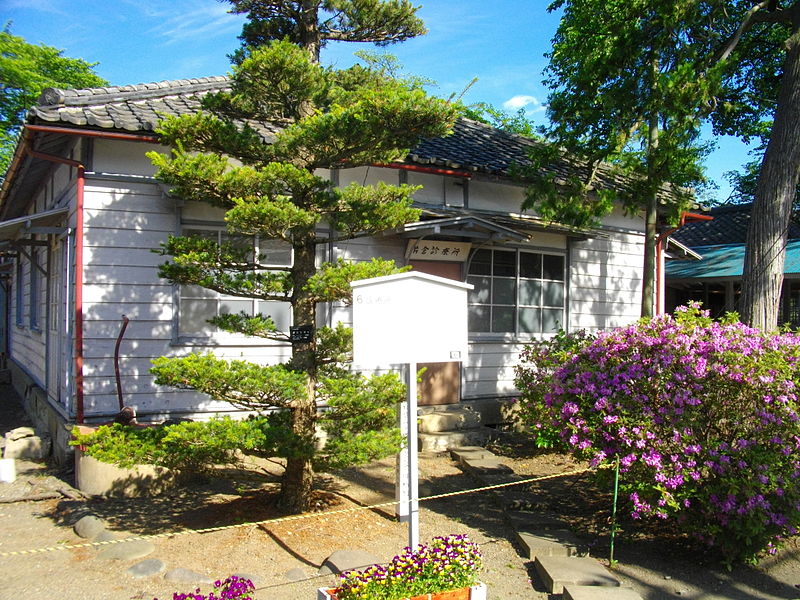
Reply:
x=606, y=281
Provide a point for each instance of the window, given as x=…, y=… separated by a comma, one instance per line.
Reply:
x=34, y=281
x=18, y=294
x=198, y=304
x=516, y=292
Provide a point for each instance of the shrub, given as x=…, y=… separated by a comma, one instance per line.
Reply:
x=232, y=588
x=701, y=415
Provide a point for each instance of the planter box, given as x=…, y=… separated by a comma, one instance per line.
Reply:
x=95, y=478
x=476, y=592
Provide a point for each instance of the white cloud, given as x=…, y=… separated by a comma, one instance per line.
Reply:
x=194, y=20
x=522, y=101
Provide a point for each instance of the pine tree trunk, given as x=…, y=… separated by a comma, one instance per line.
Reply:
x=775, y=192
x=298, y=479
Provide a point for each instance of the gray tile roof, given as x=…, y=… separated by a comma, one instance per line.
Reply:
x=729, y=226
x=473, y=147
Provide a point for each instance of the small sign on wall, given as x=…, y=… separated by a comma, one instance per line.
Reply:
x=438, y=250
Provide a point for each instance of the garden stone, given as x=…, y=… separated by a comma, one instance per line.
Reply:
x=104, y=536
x=127, y=550
x=347, y=560
x=296, y=574
x=31, y=447
x=89, y=527
x=257, y=581
x=594, y=592
x=181, y=575
x=146, y=568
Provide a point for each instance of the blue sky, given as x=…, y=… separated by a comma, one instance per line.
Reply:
x=502, y=43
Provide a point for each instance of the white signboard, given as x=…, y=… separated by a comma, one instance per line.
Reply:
x=410, y=317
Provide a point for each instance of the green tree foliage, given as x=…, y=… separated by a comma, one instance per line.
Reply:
x=628, y=87
x=284, y=119
x=25, y=70
x=313, y=23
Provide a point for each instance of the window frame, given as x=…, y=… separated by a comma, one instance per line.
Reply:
x=517, y=333
x=19, y=295
x=34, y=292
x=217, y=336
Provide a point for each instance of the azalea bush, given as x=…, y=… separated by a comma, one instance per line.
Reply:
x=232, y=588
x=701, y=415
x=448, y=563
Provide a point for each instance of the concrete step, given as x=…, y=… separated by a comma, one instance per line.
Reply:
x=442, y=441
x=556, y=572
x=552, y=542
x=461, y=454
x=448, y=420
x=593, y=592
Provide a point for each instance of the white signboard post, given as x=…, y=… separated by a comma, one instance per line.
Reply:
x=409, y=318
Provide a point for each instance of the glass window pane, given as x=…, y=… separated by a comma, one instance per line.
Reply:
x=553, y=267
x=530, y=320
x=505, y=263
x=553, y=293
x=195, y=314
x=503, y=319
x=480, y=293
x=479, y=318
x=552, y=320
x=275, y=252
x=234, y=307
x=481, y=263
x=504, y=291
x=530, y=265
x=279, y=311
x=530, y=292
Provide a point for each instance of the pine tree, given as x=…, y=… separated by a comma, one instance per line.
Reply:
x=284, y=120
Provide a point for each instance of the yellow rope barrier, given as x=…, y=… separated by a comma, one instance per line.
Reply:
x=287, y=518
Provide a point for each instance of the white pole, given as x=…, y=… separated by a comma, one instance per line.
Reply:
x=413, y=464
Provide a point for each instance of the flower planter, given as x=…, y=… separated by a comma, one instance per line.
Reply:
x=476, y=592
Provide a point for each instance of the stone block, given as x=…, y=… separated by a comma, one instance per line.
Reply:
x=443, y=441
x=463, y=453
x=524, y=520
x=557, y=571
x=32, y=447
x=448, y=421
x=555, y=542
x=593, y=592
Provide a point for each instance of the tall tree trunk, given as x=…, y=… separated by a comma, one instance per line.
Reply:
x=650, y=226
x=775, y=192
x=298, y=480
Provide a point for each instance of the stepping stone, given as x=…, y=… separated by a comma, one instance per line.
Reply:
x=89, y=527
x=146, y=568
x=554, y=542
x=465, y=453
x=104, y=536
x=296, y=574
x=523, y=520
x=487, y=464
x=255, y=579
x=181, y=575
x=347, y=560
x=557, y=571
x=127, y=550
x=593, y=592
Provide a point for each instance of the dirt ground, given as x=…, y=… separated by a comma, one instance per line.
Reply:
x=269, y=553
